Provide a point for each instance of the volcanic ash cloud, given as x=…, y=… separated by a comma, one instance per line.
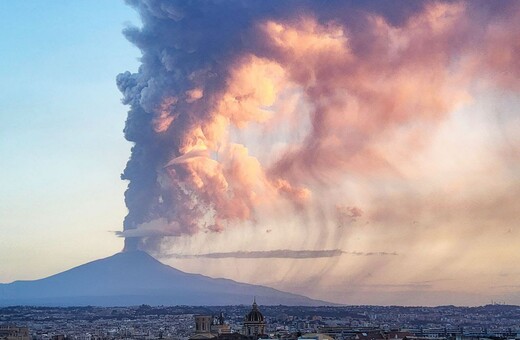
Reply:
x=244, y=111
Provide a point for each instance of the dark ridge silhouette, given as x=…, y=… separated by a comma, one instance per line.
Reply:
x=134, y=278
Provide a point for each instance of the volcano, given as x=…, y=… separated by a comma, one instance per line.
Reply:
x=134, y=278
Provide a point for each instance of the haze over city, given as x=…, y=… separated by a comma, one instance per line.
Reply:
x=352, y=152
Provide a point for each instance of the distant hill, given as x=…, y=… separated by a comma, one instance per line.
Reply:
x=134, y=278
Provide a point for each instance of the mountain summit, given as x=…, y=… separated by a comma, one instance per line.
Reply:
x=133, y=278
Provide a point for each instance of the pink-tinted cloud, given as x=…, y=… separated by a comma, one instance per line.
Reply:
x=299, y=119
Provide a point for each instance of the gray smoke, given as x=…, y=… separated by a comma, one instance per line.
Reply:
x=188, y=45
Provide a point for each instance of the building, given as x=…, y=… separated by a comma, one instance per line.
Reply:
x=203, y=328
x=10, y=332
x=209, y=327
x=315, y=336
x=254, y=323
x=219, y=326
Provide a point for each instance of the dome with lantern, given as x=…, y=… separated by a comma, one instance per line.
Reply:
x=254, y=322
x=254, y=315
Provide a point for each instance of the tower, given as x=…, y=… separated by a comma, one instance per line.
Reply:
x=203, y=323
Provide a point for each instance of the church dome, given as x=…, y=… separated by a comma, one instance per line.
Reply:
x=254, y=315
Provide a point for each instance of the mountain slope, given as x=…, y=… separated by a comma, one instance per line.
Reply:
x=133, y=278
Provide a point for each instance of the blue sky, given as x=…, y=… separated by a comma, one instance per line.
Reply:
x=61, y=141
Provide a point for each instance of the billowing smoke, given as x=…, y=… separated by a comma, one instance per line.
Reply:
x=247, y=109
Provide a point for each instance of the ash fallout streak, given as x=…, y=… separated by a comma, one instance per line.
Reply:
x=279, y=254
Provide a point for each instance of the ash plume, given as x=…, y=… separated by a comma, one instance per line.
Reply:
x=347, y=75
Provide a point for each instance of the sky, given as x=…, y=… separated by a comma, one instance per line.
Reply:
x=61, y=140
x=355, y=153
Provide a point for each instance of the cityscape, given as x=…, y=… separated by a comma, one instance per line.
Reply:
x=145, y=322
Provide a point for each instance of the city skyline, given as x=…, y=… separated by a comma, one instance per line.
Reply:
x=354, y=153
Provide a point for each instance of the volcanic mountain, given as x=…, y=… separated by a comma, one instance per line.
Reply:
x=134, y=278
